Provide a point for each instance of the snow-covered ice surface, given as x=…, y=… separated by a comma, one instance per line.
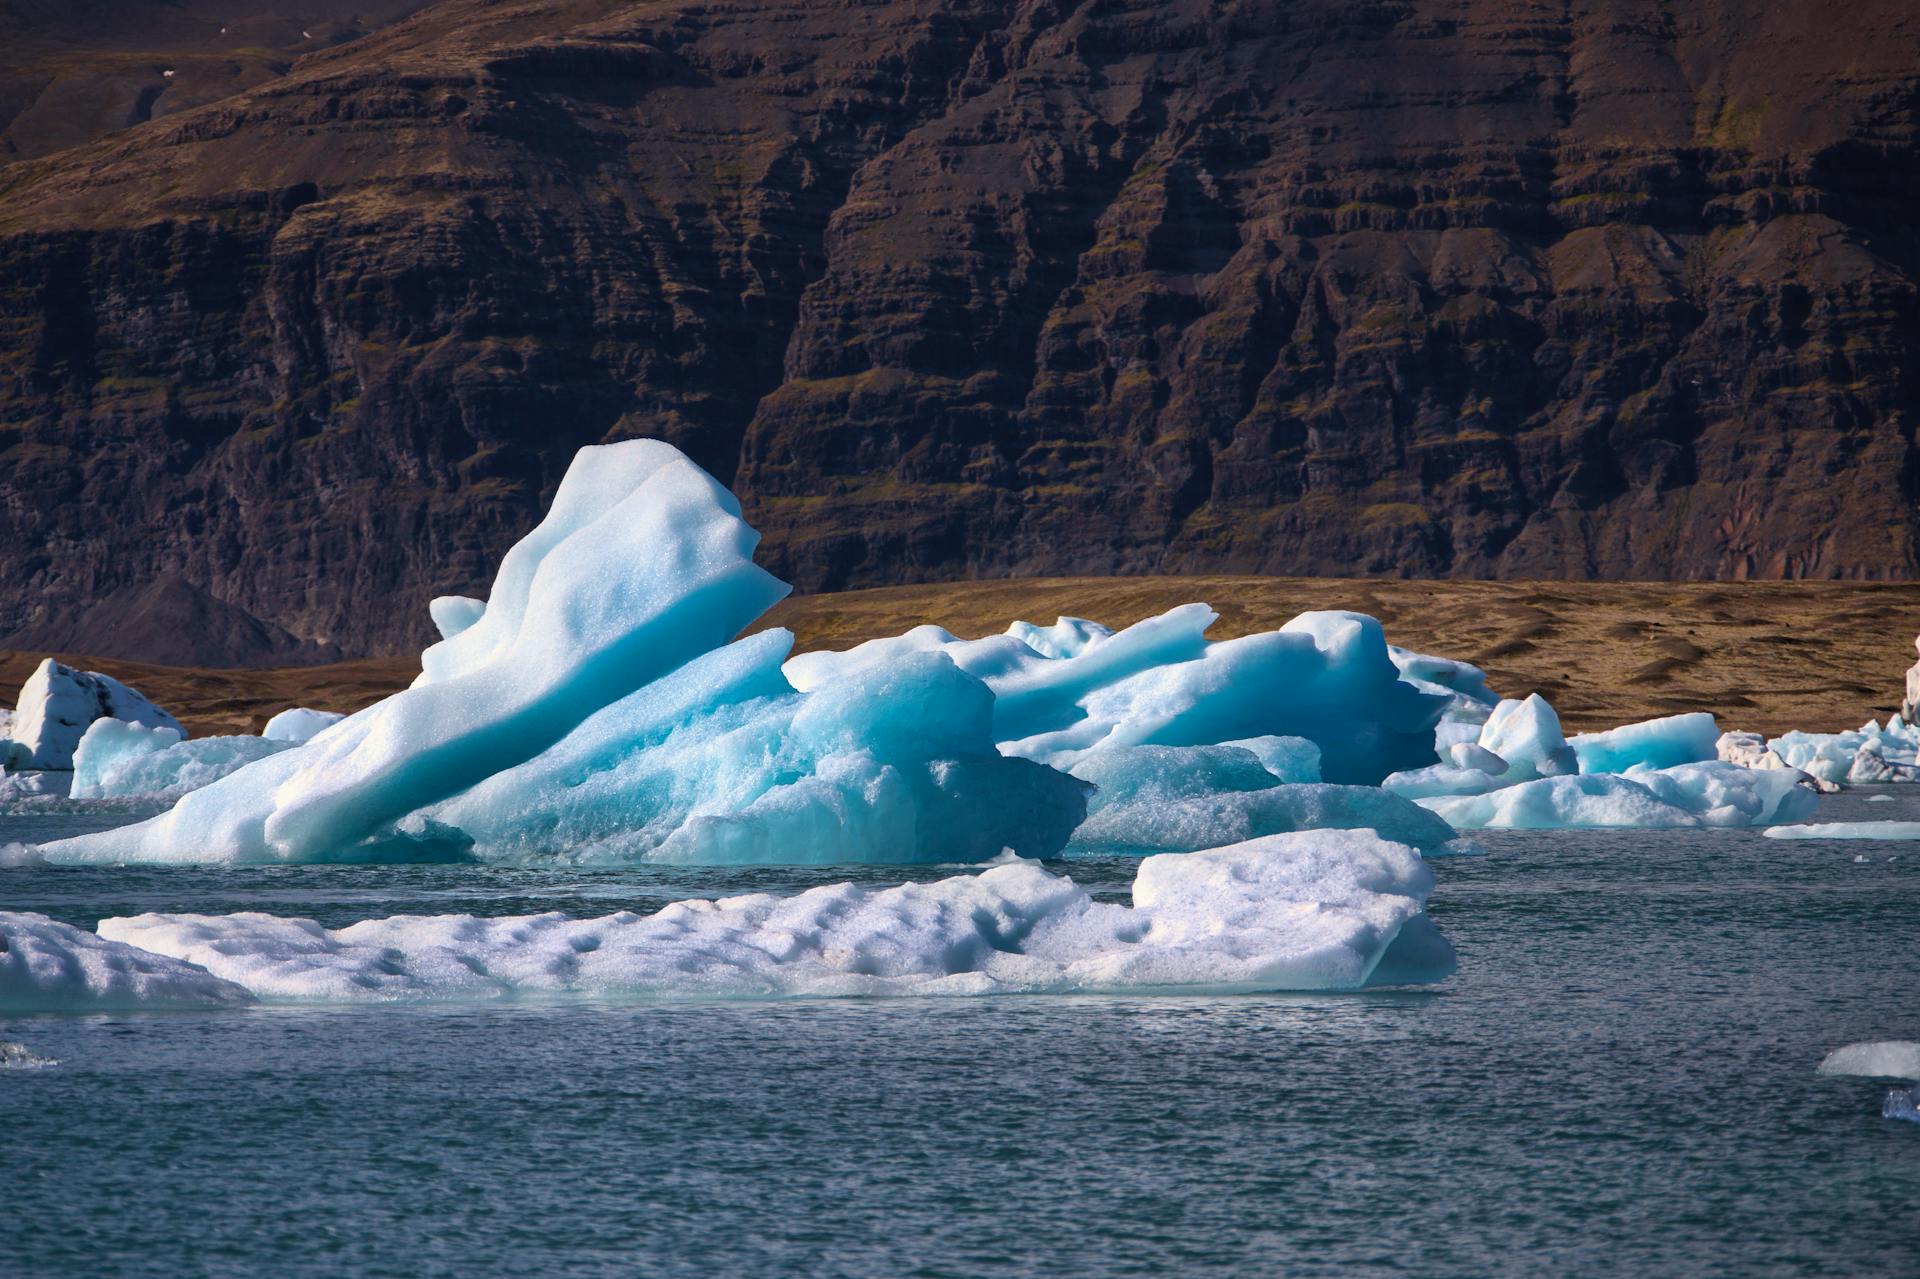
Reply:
x=1847, y=830
x=47, y=966
x=1881, y=1059
x=1312, y=911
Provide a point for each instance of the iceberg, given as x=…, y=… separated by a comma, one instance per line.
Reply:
x=1653, y=743
x=1526, y=734
x=1314, y=911
x=1848, y=830
x=1876, y=1059
x=641, y=565
x=56, y=705
x=1902, y=1103
x=595, y=709
x=1066, y=692
x=298, y=725
x=722, y=762
x=117, y=759
x=47, y=966
x=1689, y=795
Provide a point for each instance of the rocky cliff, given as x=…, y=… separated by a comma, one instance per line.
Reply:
x=954, y=288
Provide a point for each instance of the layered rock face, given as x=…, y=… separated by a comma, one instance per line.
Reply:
x=954, y=288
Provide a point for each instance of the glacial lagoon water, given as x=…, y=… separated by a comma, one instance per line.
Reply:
x=1618, y=1080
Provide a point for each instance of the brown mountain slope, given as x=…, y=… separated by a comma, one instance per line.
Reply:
x=1763, y=656
x=968, y=288
x=71, y=72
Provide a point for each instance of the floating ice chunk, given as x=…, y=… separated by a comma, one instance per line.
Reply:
x=1848, y=830
x=1315, y=911
x=452, y=614
x=18, y=1057
x=721, y=762
x=1527, y=735
x=298, y=725
x=35, y=785
x=57, y=703
x=1872, y=767
x=1879, y=799
x=1704, y=794
x=117, y=759
x=1878, y=1059
x=1326, y=677
x=642, y=564
x=46, y=966
x=1826, y=756
x=1653, y=743
x=1902, y=1103
x=1910, y=704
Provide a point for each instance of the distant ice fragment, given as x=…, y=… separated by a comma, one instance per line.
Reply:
x=1312, y=911
x=1902, y=1103
x=46, y=966
x=19, y=1057
x=453, y=614
x=57, y=703
x=1689, y=795
x=1878, y=1059
x=299, y=725
x=1847, y=830
x=116, y=759
x=1654, y=743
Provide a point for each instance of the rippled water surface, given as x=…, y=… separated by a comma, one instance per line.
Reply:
x=1618, y=1080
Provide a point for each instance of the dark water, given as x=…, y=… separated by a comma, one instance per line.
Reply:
x=1618, y=1081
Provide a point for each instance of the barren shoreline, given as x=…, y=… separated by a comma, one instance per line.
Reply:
x=1764, y=656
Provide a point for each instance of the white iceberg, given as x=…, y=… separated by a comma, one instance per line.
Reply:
x=1526, y=734
x=1848, y=830
x=116, y=759
x=56, y=705
x=1653, y=743
x=299, y=725
x=1689, y=795
x=47, y=966
x=1316, y=911
x=1877, y=1059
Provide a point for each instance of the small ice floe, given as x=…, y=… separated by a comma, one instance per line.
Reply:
x=18, y=1057
x=1846, y=830
x=1902, y=1103
x=1879, y=799
x=1875, y=1059
x=167, y=74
